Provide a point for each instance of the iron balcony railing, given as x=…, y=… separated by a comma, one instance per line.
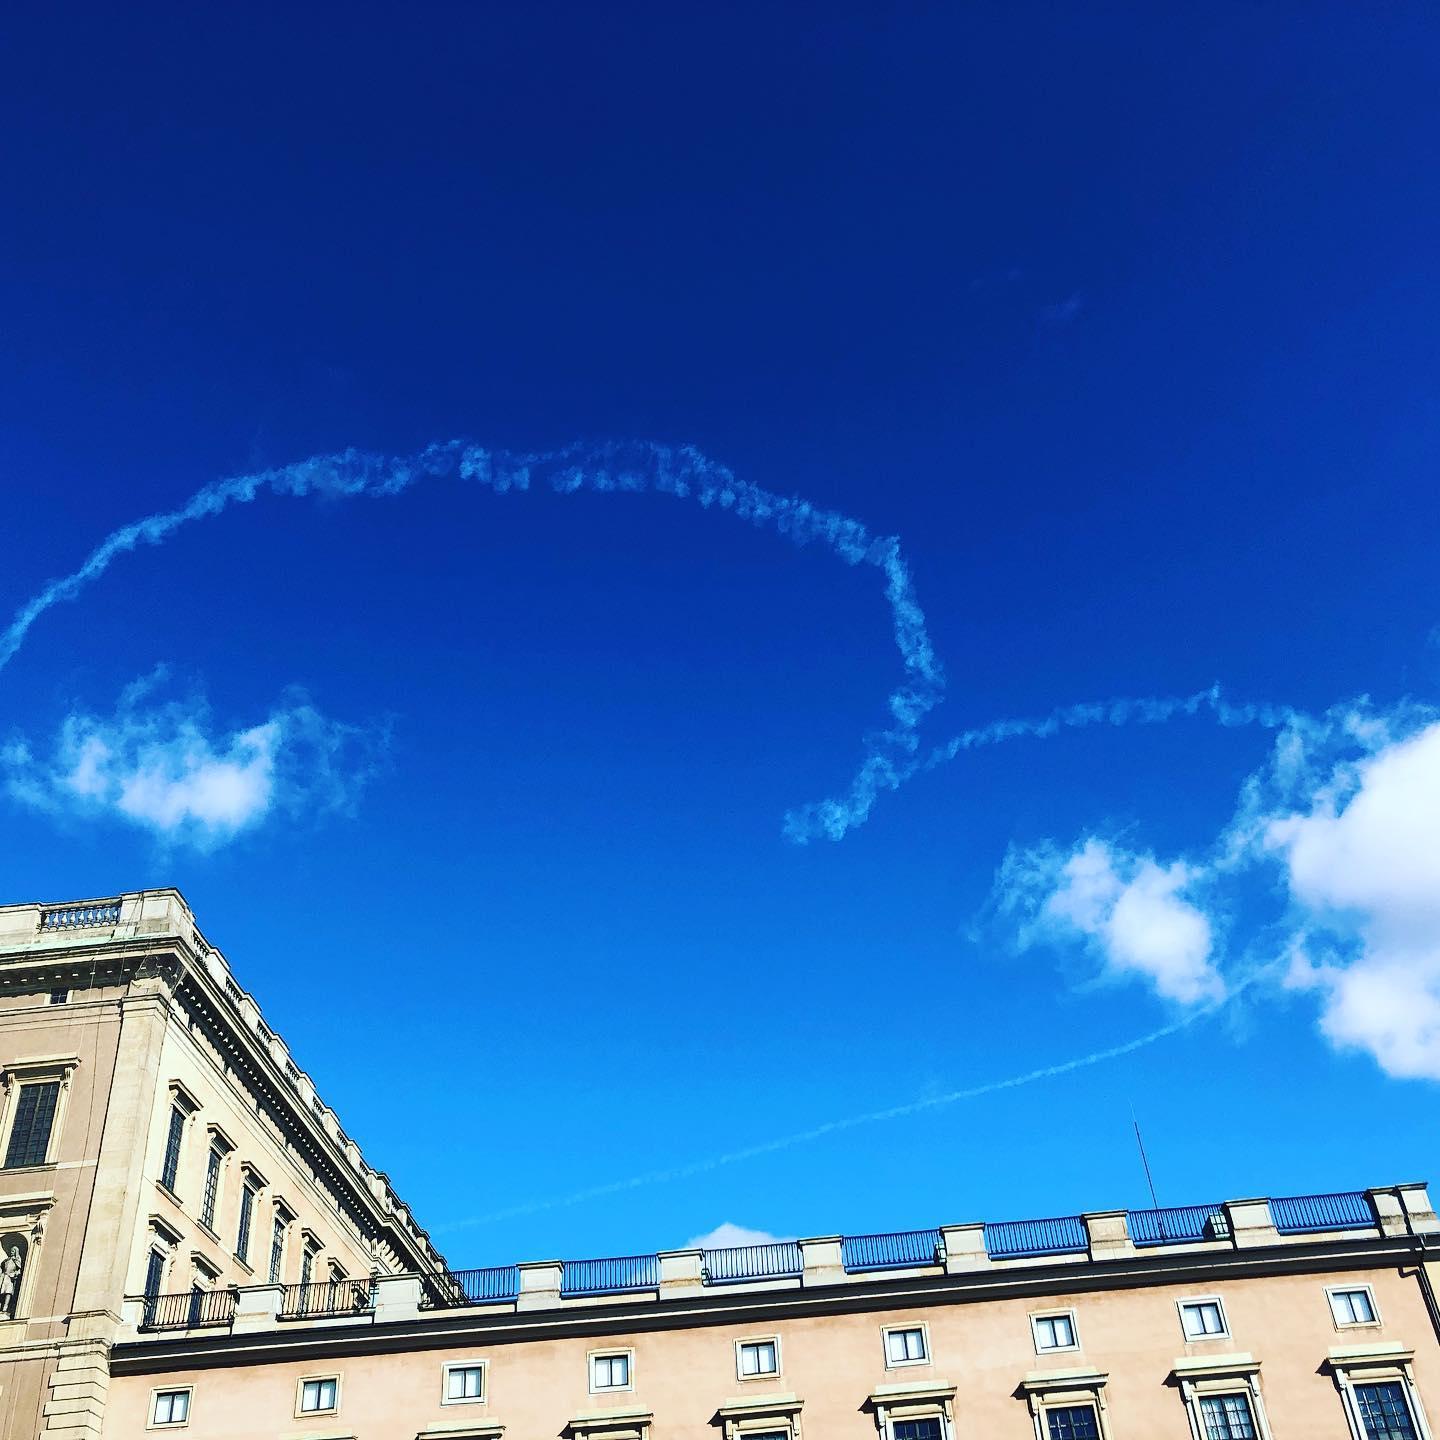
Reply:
x=1017, y=1239
x=615, y=1276
x=1304, y=1214
x=327, y=1297
x=732, y=1263
x=189, y=1311
x=469, y=1287
x=80, y=917
x=894, y=1250
x=1178, y=1224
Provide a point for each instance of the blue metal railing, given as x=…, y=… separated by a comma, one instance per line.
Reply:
x=895, y=1250
x=751, y=1262
x=1015, y=1239
x=1302, y=1214
x=614, y=1276
x=470, y=1287
x=80, y=917
x=1177, y=1224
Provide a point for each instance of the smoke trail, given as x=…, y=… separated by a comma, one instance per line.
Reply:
x=852, y=1122
x=834, y=819
x=683, y=473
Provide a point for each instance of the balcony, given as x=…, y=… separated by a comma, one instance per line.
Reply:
x=189, y=1310
x=327, y=1298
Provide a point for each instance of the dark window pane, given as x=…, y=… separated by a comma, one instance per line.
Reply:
x=34, y=1118
x=926, y=1429
x=1384, y=1412
x=1074, y=1422
x=1227, y=1417
x=171, y=1168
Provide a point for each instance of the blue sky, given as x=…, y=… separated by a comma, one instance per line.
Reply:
x=1121, y=322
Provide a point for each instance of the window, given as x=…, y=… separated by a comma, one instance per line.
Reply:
x=1384, y=1412
x=318, y=1397
x=1054, y=1332
x=1203, y=1319
x=337, y=1272
x=170, y=1407
x=34, y=1119
x=307, y=1262
x=464, y=1384
x=247, y=1213
x=154, y=1273
x=906, y=1346
x=1353, y=1307
x=212, y=1187
x=1227, y=1417
x=59, y=997
x=610, y=1371
x=927, y=1428
x=277, y=1249
x=171, y=1168
x=757, y=1357
x=1072, y=1422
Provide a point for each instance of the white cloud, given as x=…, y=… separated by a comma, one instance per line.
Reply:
x=728, y=1234
x=1363, y=867
x=1130, y=911
x=163, y=767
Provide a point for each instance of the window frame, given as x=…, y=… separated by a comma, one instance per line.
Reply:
x=886, y=1331
x=1384, y=1364
x=740, y=1344
x=1374, y=1323
x=37, y=1071
x=151, y=1423
x=477, y=1362
x=1223, y=1333
x=1066, y=1390
x=614, y=1353
x=332, y=1377
x=1036, y=1316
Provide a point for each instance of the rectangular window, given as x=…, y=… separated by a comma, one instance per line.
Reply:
x=464, y=1382
x=1072, y=1422
x=277, y=1250
x=154, y=1274
x=34, y=1119
x=906, y=1346
x=247, y=1213
x=1054, y=1332
x=171, y=1407
x=1227, y=1417
x=212, y=1187
x=307, y=1263
x=1384, y=1412
x=59, y=997
x=171, y=1168
x=1352, y=1307
x=610, y=1372
x=318, y=1396
x=1202, y=1319
x=759, y=1357
x=927, y=1428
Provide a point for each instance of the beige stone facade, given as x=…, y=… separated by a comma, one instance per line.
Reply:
x=129, y=1056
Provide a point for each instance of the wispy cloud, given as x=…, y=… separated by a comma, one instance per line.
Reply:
x=163, y=765
x=1065, y=311
x=1345, y=815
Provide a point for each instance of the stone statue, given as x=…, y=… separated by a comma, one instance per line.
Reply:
x=10, y=1268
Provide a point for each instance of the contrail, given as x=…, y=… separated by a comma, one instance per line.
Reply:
x=682, y=472
x=851, y=1122
x=882, y=772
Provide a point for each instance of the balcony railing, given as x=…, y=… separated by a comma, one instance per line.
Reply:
x=470, y=1287
x=327, y=1297
x=81, y=917
x=1179, y=1224
x=615, y=1276
x=894, y=1250
x=1307, y=1214
x=751, y=1262
x=1018, y=1239
x=188, y=1310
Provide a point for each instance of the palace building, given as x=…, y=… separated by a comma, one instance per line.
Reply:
x=192, y=1244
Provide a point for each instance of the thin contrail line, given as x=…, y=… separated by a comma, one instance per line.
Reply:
x=849, y=1122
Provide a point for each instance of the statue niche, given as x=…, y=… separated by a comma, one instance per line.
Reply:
x=14, y=1255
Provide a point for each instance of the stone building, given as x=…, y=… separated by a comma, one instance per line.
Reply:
x=156, y=1137
x=190, y=1243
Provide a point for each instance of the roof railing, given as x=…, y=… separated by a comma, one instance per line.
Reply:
x=892, y=1250
x=1310, y=1214
x=327, y=1297
x=1021, y=1239
x=81, y=917
x=454, y=1288
x=730, y=1264
x=616, y=1275
x=1178, y=1224
x=188, y=1310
